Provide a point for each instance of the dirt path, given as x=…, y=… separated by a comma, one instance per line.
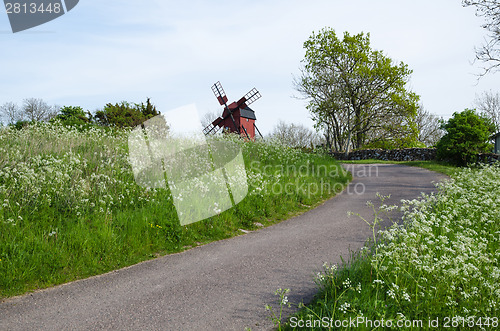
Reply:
x=223, y=285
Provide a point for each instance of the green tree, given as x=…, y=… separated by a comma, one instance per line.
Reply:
x=70, y=115
x=467, y=134
x=125, y=114
x=356, y=94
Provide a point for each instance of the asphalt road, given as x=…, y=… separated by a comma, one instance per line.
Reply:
x=224, y=285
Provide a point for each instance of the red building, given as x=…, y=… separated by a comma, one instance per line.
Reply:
x=244, y=119
x=237, y=117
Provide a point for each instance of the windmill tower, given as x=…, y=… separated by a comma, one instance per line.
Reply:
x=237, y=116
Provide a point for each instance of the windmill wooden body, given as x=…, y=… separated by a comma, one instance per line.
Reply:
x=237, y=117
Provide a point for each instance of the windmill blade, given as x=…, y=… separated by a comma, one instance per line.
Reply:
x=256, y=128
x=246, y=133
x=249, y=98
x=220, y=94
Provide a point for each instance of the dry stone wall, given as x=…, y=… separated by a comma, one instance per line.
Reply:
x=406, y=154
x=489, y=158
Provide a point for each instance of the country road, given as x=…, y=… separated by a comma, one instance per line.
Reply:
x=224, y=285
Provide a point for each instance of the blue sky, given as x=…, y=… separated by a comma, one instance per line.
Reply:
x=173, y=51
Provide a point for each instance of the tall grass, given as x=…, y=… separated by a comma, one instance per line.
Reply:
x=440, y=269
x=70, y=208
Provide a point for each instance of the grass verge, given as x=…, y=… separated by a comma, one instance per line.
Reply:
x=70, y=207
x=439, y=269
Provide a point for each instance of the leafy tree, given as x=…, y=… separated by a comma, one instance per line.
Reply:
x=70, y=115
x=125, y=114
x=394, y=133
x=489, y=53
x=148, y=109
x=467, y=134
x=355, y=93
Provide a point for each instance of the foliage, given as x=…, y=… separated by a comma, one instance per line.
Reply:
x=124, y=114
x=490, y=52
x=70, y=115
x=21, y=124
x=402, y=142
x=467, y=134
x=277, y=317
x=356, y=94
x=442, y=263
x=70, y=207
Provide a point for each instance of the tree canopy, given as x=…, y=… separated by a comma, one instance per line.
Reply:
x=357, y=94
x=467, y=134
x=126, y=115
x=71, y=115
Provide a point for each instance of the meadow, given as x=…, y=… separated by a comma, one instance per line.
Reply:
x=70, y=207
x=439, y=269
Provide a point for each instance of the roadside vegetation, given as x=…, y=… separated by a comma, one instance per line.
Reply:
x=442, y=264
x=70, y=208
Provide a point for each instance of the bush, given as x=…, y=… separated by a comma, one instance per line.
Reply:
x=70, y=115
x=124, y=114
x=22, y=124
x=467, y=134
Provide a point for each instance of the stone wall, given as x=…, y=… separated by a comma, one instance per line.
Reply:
x=407, y=154
x=489, y=158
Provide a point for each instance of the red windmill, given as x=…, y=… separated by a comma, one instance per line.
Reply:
x=237, y=117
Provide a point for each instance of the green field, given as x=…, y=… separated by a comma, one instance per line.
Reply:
x=70, y=207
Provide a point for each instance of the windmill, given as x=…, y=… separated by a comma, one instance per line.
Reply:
x=237, y=117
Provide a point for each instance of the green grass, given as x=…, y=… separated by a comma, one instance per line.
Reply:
x=70, y=207
x=441, y=266
x=437, y=166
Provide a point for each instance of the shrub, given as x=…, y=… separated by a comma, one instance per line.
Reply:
x=467, y=134
x=124, y=114
x=70, y=115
